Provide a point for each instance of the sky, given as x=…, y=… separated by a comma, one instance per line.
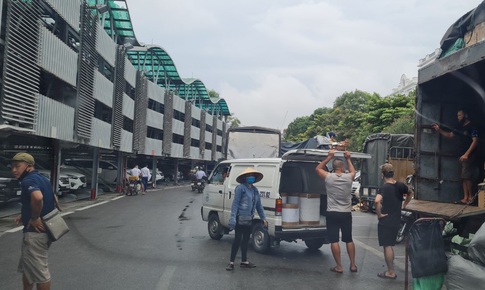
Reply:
x=276, y=60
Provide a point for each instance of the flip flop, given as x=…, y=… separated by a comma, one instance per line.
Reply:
x=334, y=269
x=384, y=276
x=353, y=270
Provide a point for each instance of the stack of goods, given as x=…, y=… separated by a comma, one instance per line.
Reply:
x=464, y=274
x=300, y=209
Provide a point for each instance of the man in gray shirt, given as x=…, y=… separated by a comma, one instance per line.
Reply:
x=338, y=185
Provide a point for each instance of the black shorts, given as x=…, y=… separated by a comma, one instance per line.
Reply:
x=339, y=221
x=387, y=235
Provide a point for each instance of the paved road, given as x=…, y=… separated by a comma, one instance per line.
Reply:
x=158, y=241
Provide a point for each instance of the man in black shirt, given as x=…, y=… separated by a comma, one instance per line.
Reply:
x=468, y=137
x=389, y=202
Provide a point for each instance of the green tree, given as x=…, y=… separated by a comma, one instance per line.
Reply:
x=213, y=94
x=233, y=121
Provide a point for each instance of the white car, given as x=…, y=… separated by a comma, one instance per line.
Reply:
x=76, y=179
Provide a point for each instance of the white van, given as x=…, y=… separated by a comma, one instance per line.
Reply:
x=292, y=194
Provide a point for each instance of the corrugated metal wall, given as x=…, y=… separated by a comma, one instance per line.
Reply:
x=101, y=134
x=214, y=135
x=167, y=123
x=118, y=96
x=105, y=46
x=103, y=89
x=88, y=63
x=140, y=120
x=202, y=134
x=153, y=147
x=21, y=73
x=69, y=10
x=55, y=120
x=187, y=128
x=57, y=58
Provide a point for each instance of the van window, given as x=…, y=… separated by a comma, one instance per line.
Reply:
x=219, y=174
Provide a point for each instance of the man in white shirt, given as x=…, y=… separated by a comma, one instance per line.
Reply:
x=145, y=176
x=200, y=174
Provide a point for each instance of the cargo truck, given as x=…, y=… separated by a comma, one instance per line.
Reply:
x=253, y=142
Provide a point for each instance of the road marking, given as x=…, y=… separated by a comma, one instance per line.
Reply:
x=66, y=213
x=15, y=229
x=116, y=198
x=93, y=205
x=166, y=278
x=380, y=254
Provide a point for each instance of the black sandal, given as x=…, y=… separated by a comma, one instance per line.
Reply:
x=247, y=265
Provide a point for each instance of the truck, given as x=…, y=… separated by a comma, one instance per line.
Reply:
x=453, y=81
x=397, y=149
x=253, y=142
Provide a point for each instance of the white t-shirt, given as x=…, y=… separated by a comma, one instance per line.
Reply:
x=199, y=174
x=145, y=172
x=135, y=172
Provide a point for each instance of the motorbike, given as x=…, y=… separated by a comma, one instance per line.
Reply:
x=407, y=217
x=198, y=184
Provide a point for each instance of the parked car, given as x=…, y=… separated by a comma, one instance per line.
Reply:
x=77, y=180
x=9, y=185
x=107, y=171
x=169, y=176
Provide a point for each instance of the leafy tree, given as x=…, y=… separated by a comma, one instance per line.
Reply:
x=213, y=94
x=233, y=122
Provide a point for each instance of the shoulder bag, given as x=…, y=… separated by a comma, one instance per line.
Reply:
x=55, y=225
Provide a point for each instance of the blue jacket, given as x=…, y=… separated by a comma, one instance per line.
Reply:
x=243, y=203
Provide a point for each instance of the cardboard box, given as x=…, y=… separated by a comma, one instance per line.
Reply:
x=481, y=198
x=475, y=35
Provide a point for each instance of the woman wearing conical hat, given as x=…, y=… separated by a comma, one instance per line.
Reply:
x=246, y=201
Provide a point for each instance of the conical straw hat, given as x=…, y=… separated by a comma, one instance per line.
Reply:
x=249, y=171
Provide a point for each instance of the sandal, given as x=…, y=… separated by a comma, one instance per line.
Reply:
x=384, y=276
x=230, y=267
x=247, y=265
x=334, y=269
x=353, y=270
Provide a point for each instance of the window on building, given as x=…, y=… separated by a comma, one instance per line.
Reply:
x=156, y=106
x=195, y=143
x=103, y=112
x=106, y=69
x=129, y=90
x=219, y=132
x=178, y=115
x=154, y=133
x=179, y=139
x=195, y=123
x=208, y=146
x=208, y=128
x=219, y=148
x=127, y=124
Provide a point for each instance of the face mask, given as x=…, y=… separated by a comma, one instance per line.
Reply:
x=250, y=179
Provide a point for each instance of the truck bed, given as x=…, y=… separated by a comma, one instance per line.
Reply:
x=448, y=211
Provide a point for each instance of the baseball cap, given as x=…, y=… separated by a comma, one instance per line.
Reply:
x=25, y=157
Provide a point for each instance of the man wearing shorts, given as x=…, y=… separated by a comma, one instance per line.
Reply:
x=37, y=200
x=339, y=207
x=389, y=202
x=468, y=138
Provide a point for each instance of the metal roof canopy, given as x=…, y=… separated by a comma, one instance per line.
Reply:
x=153, y=60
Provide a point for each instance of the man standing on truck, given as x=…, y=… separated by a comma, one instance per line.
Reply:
x=468, y=138
x=338, y=185
x=388, y=203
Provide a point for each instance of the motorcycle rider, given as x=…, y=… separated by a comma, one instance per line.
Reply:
x=388, y=204
x=200, y=174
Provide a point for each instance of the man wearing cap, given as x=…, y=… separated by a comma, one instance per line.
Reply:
x=37, y=199
x=338, y=185
x=246, y=200
x=389, y=202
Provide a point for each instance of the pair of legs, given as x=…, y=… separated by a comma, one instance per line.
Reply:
x=33, y=262
x=467, y=191
x=243, y=233
x=144, y=183
x=469, y=172
x=341, y=222
x=387, y=239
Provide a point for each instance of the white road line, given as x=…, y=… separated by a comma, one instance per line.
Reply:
x=118, y=197
x=93, y=205
x=166, y=278
x=15, y=229
x=380, y=254
x=67, y=213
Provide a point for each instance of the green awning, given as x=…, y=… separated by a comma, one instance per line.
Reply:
x=156, y=63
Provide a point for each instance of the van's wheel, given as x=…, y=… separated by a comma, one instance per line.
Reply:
x=214, y=227
x=314, y=244
x=260, y=239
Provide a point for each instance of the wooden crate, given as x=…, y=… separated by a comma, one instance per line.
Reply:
x=475, y=35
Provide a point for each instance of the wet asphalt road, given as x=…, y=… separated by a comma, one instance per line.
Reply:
x=158, y=241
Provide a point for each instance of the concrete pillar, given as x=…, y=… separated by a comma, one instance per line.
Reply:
x=56, y=145
x=176, y=174
x=154, y=172
x=120, y=174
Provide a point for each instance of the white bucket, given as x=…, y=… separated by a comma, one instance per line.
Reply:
x=284, y=197
x=293, y=199
x=310, y=209
x=290, y=214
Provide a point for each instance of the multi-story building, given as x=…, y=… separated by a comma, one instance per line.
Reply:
x=74, y=75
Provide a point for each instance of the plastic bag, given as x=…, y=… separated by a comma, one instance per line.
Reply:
x=464, y=275
x=426, y=249
x=476, y=249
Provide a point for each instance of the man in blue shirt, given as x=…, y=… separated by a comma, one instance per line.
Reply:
x=37, y=199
